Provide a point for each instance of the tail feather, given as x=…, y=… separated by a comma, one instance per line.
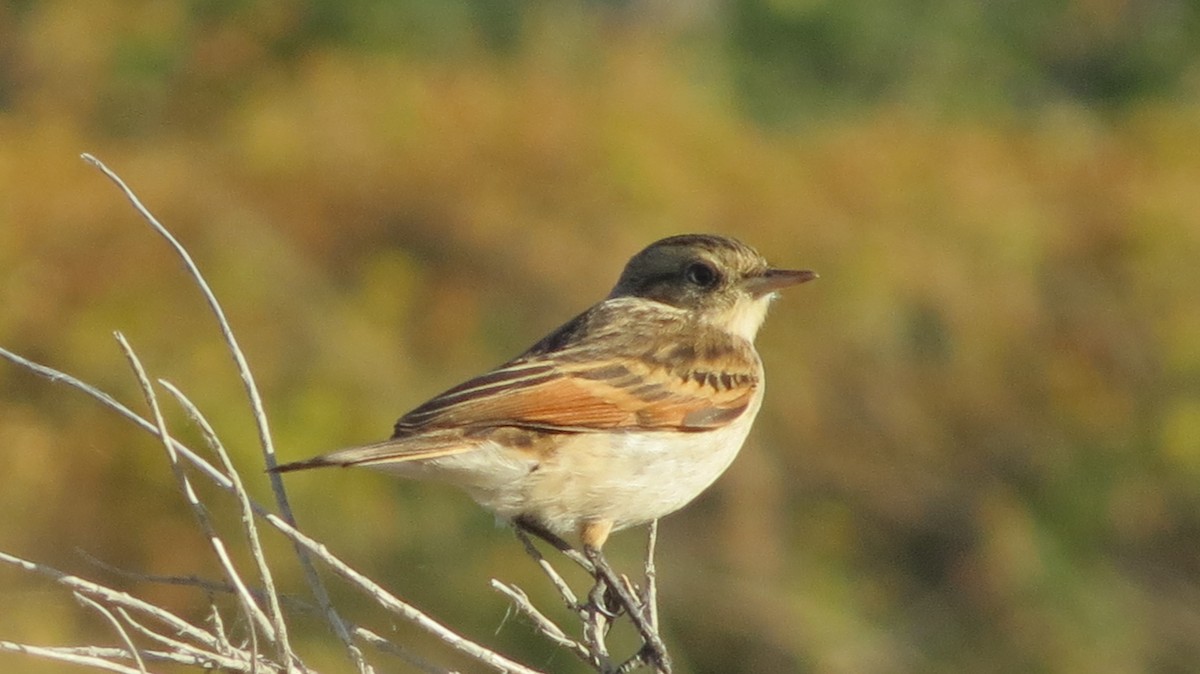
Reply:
x=315, y=462
x=389, y=451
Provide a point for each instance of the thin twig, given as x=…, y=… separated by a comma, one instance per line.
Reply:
x=564, y=590
x=595, y=622
x=58, y=376
x=544, y=624
x=596, y=614
x=392, y=603
x=254, y=613
x=219, y=631
x=120, y=629
x=385, y=599
x=651, y=593
x=595, y=629
x=385, y=646
x=102, y=657
x=86, y=587
x=209, y=586
x=634, y=608
x=72, y=656
x=259, y=412
x=183, y=648
x=250, y=529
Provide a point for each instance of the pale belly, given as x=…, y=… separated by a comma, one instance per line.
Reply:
x=628, y=479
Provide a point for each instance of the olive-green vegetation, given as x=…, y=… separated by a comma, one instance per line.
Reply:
x=980, y=448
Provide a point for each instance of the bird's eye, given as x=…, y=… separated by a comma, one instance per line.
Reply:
x=701, y=274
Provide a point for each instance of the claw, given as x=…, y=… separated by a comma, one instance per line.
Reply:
x=605, y=601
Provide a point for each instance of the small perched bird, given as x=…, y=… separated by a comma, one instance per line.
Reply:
x=621, y=416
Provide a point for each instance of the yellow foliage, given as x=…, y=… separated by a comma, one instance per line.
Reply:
x=981, y=440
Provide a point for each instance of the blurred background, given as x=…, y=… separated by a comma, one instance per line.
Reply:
x=979, y=449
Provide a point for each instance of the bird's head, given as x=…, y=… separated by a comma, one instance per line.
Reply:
x=722, y=280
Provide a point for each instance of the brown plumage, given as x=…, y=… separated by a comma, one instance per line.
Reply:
x=622, y=415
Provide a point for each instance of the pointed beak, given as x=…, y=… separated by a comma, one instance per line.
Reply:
x=777, y=279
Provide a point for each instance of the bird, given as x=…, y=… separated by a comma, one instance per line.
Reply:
x=622, y=415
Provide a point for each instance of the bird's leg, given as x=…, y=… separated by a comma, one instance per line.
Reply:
x=532, y=526
x=535, y=528
x=593, y=535
x=610, y=594
x=606, y=594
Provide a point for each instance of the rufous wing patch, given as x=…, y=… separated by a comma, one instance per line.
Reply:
x=614, y=396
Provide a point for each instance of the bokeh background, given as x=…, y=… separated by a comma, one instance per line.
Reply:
x=980, y=449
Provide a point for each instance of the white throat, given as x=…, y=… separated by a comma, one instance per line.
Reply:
x=747, y=316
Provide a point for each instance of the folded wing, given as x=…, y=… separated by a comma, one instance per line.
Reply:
x=611, y=381
x=626, y=393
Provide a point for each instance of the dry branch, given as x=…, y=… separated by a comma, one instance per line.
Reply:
x=151, y=634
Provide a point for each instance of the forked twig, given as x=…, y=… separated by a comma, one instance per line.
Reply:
x=544, y=624
x=254, y=614
x=596, y=614
x=120, y=629
x=382, y=597
x=256, y=404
